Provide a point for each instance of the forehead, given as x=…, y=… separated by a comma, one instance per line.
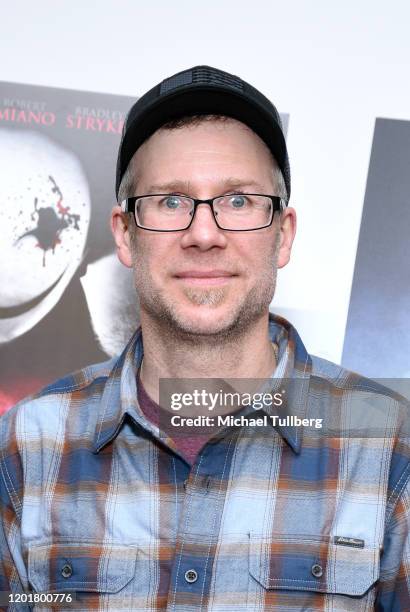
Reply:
x=211, y=150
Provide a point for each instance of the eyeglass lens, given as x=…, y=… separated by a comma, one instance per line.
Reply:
x=233, y=211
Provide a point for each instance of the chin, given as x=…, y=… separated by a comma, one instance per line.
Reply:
x=210, y=322
x=206, y=310
x=227, y=321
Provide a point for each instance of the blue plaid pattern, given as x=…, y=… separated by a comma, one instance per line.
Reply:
x=94, y=500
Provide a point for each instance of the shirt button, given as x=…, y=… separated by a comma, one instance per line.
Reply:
x=317, y=570
x=66, y=570
x=191, y=575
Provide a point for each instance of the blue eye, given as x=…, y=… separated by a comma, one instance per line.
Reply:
x=238, y=201
x=172, y=202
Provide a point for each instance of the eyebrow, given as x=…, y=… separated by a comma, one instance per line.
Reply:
x=186, y=186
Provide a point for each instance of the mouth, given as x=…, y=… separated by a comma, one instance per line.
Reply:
x=205, y=277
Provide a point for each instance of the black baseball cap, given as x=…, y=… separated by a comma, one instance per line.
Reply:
x=202, y=90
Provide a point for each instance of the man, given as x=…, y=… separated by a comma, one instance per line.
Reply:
x=101, y=496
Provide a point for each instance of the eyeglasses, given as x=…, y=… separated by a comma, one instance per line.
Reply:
x=169, y=212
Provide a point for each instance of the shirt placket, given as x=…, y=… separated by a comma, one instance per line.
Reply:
x=199, y=525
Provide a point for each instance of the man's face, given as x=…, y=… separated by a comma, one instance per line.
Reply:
x=205, y=281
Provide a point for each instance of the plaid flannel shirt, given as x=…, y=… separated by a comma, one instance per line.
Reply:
x=94, y=500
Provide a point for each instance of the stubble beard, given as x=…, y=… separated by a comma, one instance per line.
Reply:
x=171, y=322
x=174, y=325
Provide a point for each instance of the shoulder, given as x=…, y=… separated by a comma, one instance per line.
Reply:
x=60, y=389
x=78, y=380
x=43, y=414
x=379, y=408
x=33, y=431
x=377, y=414
x=352, y=382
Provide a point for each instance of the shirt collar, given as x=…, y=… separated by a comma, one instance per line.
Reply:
x=291, y=375
x=291, y=379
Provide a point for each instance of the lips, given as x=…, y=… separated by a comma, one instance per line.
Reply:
x=205, y=277
x=204, y=274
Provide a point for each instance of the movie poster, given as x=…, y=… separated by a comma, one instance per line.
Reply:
x=65, y=301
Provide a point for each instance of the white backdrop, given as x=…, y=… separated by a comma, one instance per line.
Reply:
x=333, y=67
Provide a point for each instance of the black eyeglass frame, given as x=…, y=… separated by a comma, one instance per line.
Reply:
x=278, y=205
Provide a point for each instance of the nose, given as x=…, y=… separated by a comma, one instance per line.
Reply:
x=203, y=231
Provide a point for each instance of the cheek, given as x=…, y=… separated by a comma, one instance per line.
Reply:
x=257, y=254
x=152, y=256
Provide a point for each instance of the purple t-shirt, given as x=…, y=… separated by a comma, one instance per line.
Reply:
x=188, y=445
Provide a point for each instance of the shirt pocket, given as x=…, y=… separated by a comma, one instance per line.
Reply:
x=315, y=565
x=91, y=569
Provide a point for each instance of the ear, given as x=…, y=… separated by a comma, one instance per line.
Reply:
x=119, y=223
x=287, y=235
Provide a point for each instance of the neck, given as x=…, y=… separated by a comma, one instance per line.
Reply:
x=168, y=355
